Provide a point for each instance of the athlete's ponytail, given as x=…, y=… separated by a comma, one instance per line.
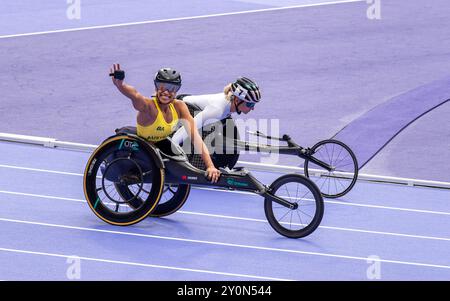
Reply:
x=227, y=90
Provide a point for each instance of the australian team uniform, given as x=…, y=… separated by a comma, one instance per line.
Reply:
x=160, y=129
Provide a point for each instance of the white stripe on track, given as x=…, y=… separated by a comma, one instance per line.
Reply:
x=42, y=170
x=320, y=227
x=340, y=203
x=142, y=264
x=246, y=219
x=223, y=244
x=177, y=19
x=244, y=192
x=41, y=196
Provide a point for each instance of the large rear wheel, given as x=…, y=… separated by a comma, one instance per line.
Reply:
x=122, y=161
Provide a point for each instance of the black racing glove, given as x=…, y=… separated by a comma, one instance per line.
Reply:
x=118, y=74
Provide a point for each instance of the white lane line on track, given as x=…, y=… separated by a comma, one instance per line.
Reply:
x=42, y=170
x=146, y=265
x=178, y=19
x=248, y=219
x=343, y=203
x=41, y=196
x=321, y=227
x=222, y=244
x=244, y=192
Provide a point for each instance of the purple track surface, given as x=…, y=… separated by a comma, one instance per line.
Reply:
x=322, y=69
x=388, y=119
x=328, y=65
x=18, y=17
x=217, y=235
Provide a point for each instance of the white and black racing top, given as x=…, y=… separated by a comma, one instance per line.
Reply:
x=214, y=107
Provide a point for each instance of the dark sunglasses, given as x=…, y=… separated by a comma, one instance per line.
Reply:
x=247, y=104
x=167, y=86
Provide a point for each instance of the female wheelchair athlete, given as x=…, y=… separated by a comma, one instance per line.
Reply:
x=125, y=178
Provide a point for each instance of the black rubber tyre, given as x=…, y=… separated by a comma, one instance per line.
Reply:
x=172, y=198
x=289, y=222
x=169, y=204
x=116, y=162
x=342, y=178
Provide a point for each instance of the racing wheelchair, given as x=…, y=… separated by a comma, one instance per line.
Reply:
x=126, y=176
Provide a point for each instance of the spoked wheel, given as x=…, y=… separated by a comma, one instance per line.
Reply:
x=121, y=162
x=172, y=198
x=301, y=221
x=341, y=179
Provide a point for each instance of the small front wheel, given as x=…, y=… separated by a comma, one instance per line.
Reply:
x=341, y=179
x=306, y=217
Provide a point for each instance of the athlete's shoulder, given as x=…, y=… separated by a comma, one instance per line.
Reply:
x=150, y=101
x=180, y=106
x=178, y=103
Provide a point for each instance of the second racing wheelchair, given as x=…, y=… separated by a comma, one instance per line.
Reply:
x=293, y=204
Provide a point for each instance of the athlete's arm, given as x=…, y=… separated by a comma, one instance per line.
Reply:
x=189, y=123
x=140, y=102
x=210, y=114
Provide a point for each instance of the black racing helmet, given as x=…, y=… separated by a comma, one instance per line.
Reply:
x=247, y=90
x=169, y=78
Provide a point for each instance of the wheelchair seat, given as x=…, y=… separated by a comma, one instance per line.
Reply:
x=170, y=150
x=166, y=147
x=126, y=130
